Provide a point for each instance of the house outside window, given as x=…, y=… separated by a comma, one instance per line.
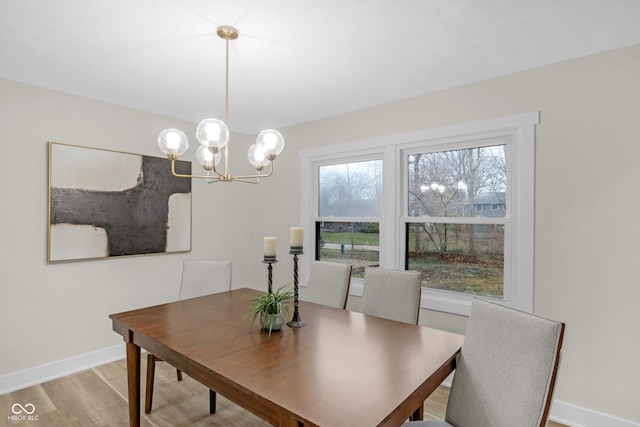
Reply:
x=455, y=203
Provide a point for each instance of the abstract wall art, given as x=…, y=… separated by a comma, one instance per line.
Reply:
x=106, y=203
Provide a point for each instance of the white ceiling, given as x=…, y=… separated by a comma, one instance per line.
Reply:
x=295, y=60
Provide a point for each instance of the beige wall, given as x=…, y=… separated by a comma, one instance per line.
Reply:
x=50, y=312
x=587, y=177
x=586, y=229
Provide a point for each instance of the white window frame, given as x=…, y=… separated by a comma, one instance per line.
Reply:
x=517, y=130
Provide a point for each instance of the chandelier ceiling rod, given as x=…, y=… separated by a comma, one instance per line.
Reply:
x=227, y=33
x=213, y=135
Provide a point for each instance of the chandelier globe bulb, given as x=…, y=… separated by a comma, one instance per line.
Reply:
x=257, y=156
x=212, y=133
x=272, y=141
x=173, y=143
x=207, y=157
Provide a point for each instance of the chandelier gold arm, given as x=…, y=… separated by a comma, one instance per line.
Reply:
x=250, y=179
x=245, y=178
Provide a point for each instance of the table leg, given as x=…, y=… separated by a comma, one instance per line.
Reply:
x=418, y=415
x=133, y=379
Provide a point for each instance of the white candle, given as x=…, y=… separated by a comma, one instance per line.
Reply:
x=296, y=236
x=270, y=246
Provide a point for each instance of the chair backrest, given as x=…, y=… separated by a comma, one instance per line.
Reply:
x=204, y=277
x=329, y=283
x=392, y=294
x=506, y=371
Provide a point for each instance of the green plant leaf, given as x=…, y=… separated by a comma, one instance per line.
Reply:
x=270, y=303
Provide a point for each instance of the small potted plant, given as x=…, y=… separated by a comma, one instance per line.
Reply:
x=271, y=306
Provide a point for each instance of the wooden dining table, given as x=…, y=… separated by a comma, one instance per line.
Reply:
x=343, y=368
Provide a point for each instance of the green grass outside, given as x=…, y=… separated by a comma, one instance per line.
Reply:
x=481, y=276
x=474, y=278
x=370, y=239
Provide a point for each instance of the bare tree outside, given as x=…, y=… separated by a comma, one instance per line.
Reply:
x=354, y=191
x=351, y=189
x=455, y=255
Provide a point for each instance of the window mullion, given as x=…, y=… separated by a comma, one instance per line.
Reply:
x=388, y=231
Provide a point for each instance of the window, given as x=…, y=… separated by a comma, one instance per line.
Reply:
x=465, y=256
x=455, y=203
x=349, y=207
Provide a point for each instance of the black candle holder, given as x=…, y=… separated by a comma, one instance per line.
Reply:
x=295, y=322
x=270, y=260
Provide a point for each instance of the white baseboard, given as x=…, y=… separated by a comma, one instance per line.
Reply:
x=61, y=368
x=575, y=416
x=565, y=413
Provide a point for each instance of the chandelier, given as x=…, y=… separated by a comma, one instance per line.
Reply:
x=213, y=135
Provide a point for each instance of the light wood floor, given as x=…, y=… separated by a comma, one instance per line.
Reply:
x=97, y=397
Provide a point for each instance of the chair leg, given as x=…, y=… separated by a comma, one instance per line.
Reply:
x=212, y=402
x=151, y=369
x=179, y=374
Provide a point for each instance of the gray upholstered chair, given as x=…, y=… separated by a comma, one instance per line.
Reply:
x=392, y=294
x=506, y=371
x=329, y=284
x=199, y=278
